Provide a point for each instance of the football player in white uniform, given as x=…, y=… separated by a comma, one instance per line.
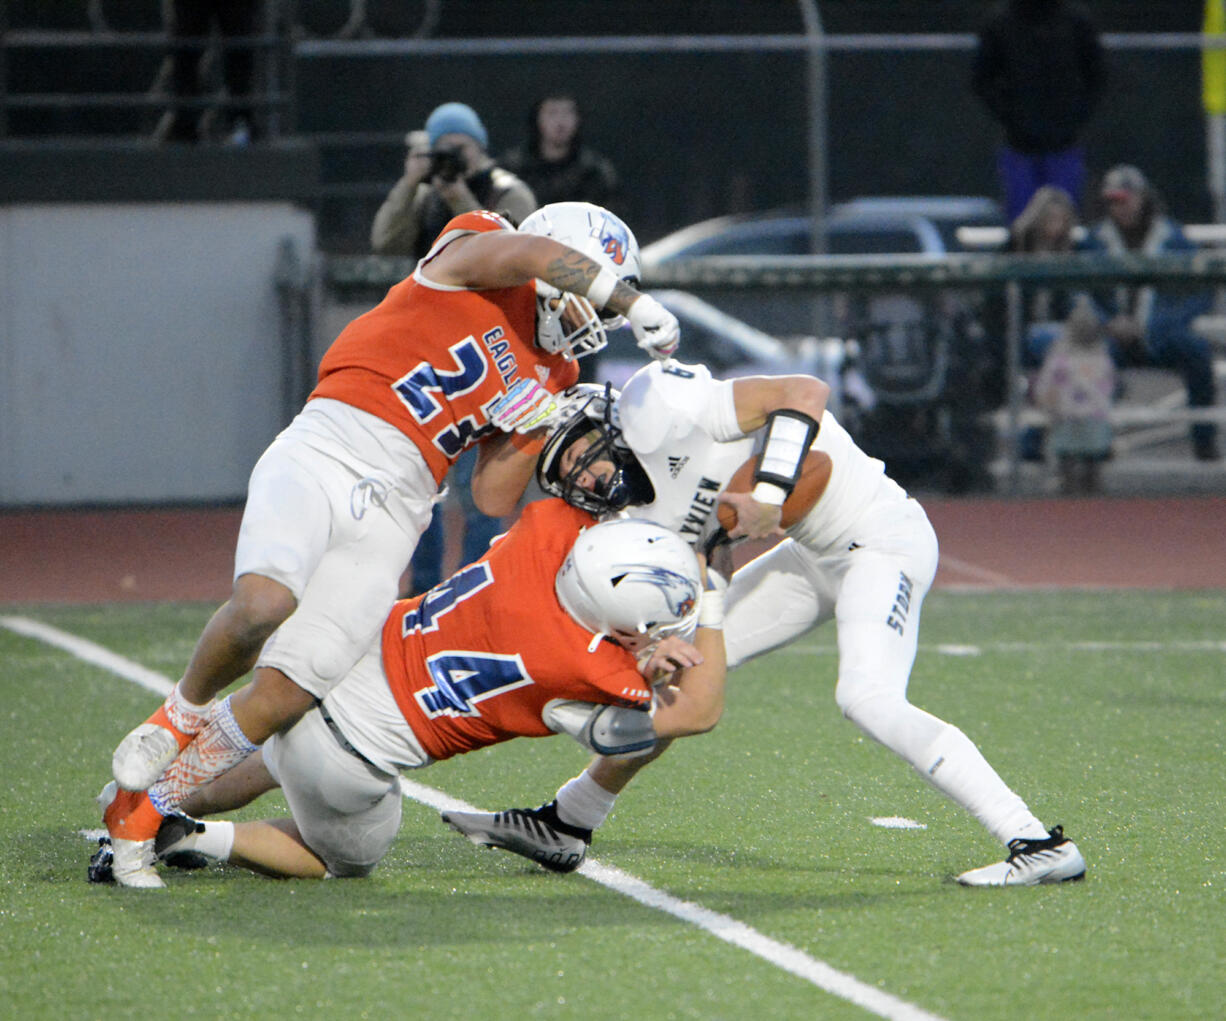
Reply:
x=864, y=555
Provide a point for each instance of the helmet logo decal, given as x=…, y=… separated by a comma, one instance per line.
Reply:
x=614, y=241
x=677, y=589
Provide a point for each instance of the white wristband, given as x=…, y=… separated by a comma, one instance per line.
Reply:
x=711, y=609
x=601, y=289
x=768, y=492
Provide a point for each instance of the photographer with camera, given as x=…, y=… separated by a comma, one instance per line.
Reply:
x=447, y=171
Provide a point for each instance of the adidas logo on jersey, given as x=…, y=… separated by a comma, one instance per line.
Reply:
x=675, y=464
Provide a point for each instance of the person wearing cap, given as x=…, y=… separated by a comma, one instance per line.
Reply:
x=1147, y=326
x=447, y=171
x=419, y=205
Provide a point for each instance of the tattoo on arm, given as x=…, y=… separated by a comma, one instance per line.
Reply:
x=622, y=298
x=575, y=272
x=571, y=272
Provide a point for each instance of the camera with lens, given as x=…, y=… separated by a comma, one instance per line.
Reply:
x=447, y=164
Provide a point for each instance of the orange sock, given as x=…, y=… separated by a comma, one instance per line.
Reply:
x=131, y=816
x=162, y=719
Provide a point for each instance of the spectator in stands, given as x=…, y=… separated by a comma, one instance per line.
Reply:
x=190, y=22
x=1075, y=386
x=450, y=175
x=1045, y=227
x=1039, y=69
x=447, y=171
x=1146, y=326
x=555, y=163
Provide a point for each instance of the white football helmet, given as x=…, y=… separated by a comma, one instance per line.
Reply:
x=630, y=577
x=603, y=238
x=591, y=412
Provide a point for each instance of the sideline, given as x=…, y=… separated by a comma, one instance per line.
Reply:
x=781, y=955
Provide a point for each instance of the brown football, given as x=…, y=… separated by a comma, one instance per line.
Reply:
x=814, y=475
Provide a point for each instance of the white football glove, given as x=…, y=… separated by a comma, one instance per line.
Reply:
x=655, y=328
x=524, y=407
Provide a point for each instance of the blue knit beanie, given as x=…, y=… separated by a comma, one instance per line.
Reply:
x=456, y=118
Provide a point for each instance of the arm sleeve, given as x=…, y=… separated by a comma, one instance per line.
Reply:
x=398, y=221
x=719, y=417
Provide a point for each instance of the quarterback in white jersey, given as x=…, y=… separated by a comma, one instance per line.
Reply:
x=864, y=555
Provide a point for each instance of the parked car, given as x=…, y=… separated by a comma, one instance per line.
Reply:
x=728, y=347
x=921, y=355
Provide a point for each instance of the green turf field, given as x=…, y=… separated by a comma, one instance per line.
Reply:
x=1106, y=711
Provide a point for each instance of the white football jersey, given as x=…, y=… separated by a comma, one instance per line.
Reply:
x=681, y=424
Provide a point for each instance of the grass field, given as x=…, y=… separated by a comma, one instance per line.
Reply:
x=1106, y=711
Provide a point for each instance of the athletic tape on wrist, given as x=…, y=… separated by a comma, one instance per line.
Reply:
x=769, y=493
x=644, y=307
x=789, y=434
x=711, y=609
x=601, y=289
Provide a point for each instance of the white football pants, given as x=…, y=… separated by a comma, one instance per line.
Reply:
x=335, y=507
x=872, y=582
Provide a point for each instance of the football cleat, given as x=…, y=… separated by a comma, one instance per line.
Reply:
x=1055, y=859
x=100, y=863
x=534, y=833
x=143, y=756
x=128, y=817
x=167, y=847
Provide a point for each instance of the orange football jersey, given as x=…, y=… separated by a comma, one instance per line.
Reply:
x=431, y=360
x=473, y=661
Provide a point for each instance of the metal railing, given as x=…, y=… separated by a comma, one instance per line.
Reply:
x=272, y=94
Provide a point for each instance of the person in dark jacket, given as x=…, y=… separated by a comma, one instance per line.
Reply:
x=555, y=163
x=1039, y=70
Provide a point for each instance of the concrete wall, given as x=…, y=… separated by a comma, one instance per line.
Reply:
x=140, y=352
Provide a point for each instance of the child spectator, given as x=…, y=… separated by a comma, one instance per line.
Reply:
x=1075, y=386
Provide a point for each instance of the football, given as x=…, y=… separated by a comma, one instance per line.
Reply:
x=814, y=475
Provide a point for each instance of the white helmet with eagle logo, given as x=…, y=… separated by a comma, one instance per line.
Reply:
x=628, y=577
x=607, y=241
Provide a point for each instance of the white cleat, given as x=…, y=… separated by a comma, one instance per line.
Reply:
x=1054, y=859
x=132, y=864
x=143, y=756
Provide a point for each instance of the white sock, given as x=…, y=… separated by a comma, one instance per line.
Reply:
x=216, y=841
x=185, y=715
x=955, y=767
x=584, y=803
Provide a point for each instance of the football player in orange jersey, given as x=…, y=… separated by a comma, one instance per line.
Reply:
x=606, y=605
x=469, y=349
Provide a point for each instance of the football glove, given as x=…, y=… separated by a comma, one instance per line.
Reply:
x=655, y=328
x=524, y=407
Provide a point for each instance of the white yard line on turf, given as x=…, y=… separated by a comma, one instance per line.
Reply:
x=1170, y=645
x=90, y=652
x=781, y=955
